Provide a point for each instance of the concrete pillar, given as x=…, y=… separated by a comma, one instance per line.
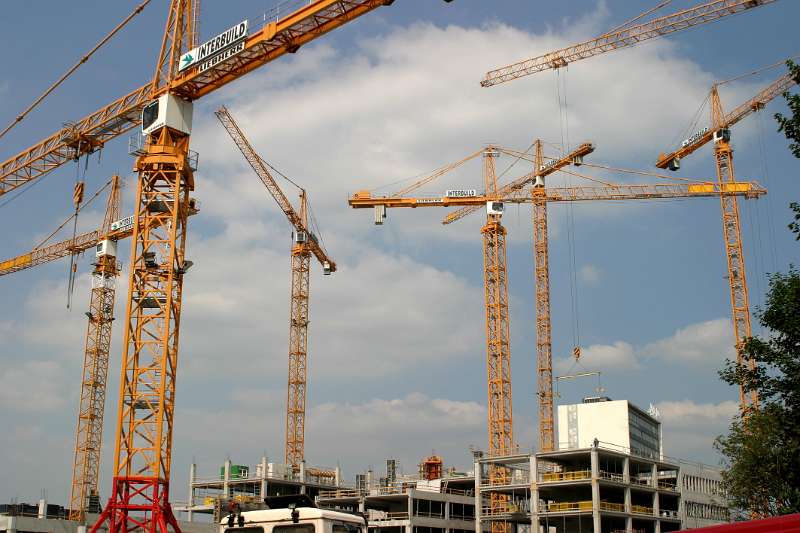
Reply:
x=226, y=478
x=656, y=503
x=263, y=487
x=477, y=471
x=303, y=477
x=627, y=499
x=534, y=466
x=11, y=526
x=411, y=494
x=42, y=509
x=595, y=490
x=629, y=525
x=192, y=476
x=626, y=470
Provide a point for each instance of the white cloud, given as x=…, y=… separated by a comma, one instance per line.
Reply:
x=690, y=428
x=352, y=434
x=617, y=356
x=704, y=343
x=701, y=344
x=32, y=386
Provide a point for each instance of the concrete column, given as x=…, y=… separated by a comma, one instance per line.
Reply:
x=595, y=490
x=629, y=525
x=192, y=476
x=477, y=471
x=263, y=487
x=534, y=466
x=626, y=471
x=226, y=478
x=303, y=477
x=42, y=508
x=627, y=499
x=11, y=524
x=656, y=503
x=410, y=526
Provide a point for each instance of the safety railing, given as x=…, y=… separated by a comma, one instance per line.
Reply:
x=569, y=475
x=612, y=476
x=641, y=509
x=668, y=513
x=644, y=482
x=610, y=506
x=429, y=514
x=560, y=507
x=386, y=517
x=340, y=493
x=664, y=485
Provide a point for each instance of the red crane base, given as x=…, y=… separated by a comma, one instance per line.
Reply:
x=138, y=504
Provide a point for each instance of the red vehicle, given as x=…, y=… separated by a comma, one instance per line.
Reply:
x=789, y=523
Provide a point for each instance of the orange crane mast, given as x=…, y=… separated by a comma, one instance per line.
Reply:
x=88, y=435
x=720, y=133
x=89, y=432
x=306, y=244
x=623, y=37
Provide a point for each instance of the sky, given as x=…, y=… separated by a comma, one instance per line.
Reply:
x=397, y=335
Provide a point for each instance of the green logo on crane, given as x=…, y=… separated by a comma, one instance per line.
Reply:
x=188, y=59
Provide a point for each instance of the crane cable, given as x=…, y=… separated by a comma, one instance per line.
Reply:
x=75, y=67
x=563, y=109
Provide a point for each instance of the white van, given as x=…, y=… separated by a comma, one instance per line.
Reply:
x=299, y=515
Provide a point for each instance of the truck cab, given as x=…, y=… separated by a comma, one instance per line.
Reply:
x=292, y=514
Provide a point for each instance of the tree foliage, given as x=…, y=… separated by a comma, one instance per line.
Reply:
x=762, y=449
x=790, y=126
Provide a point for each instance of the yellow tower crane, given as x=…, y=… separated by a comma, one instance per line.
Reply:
x=89, y=432
x=539, y=196
x=185, y=71
x=719, y=131
x=306, y=244
x=628, y=34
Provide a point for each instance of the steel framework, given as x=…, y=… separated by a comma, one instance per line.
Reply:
x=89, y=432
x=732, y=234
x=306, y=244
x=623, y=37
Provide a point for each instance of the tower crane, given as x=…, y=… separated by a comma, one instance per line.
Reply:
x=719, y=132
x=626, y=35
x=185, y=71
x=306, y=244
x=91, y=409
x=89, y=432
x=539, y=196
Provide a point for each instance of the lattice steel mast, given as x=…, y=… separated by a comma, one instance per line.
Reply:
x=89, y=432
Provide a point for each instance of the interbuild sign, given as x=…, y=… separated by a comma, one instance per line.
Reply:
x=225, y=45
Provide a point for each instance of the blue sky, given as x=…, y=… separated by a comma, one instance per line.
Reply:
x=397, y=362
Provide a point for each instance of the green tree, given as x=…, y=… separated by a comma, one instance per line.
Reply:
x=790, y=126
x=762, y=449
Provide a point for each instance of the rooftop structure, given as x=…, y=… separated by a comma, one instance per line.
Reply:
x=613, y=421
x=248, y=486
x=409, y=504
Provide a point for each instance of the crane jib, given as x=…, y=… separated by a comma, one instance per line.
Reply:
x=222, y=44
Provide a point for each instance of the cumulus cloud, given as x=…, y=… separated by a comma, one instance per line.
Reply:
x=702, y=344
x=32, y=386
x=353, y=435
x=690, y=428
